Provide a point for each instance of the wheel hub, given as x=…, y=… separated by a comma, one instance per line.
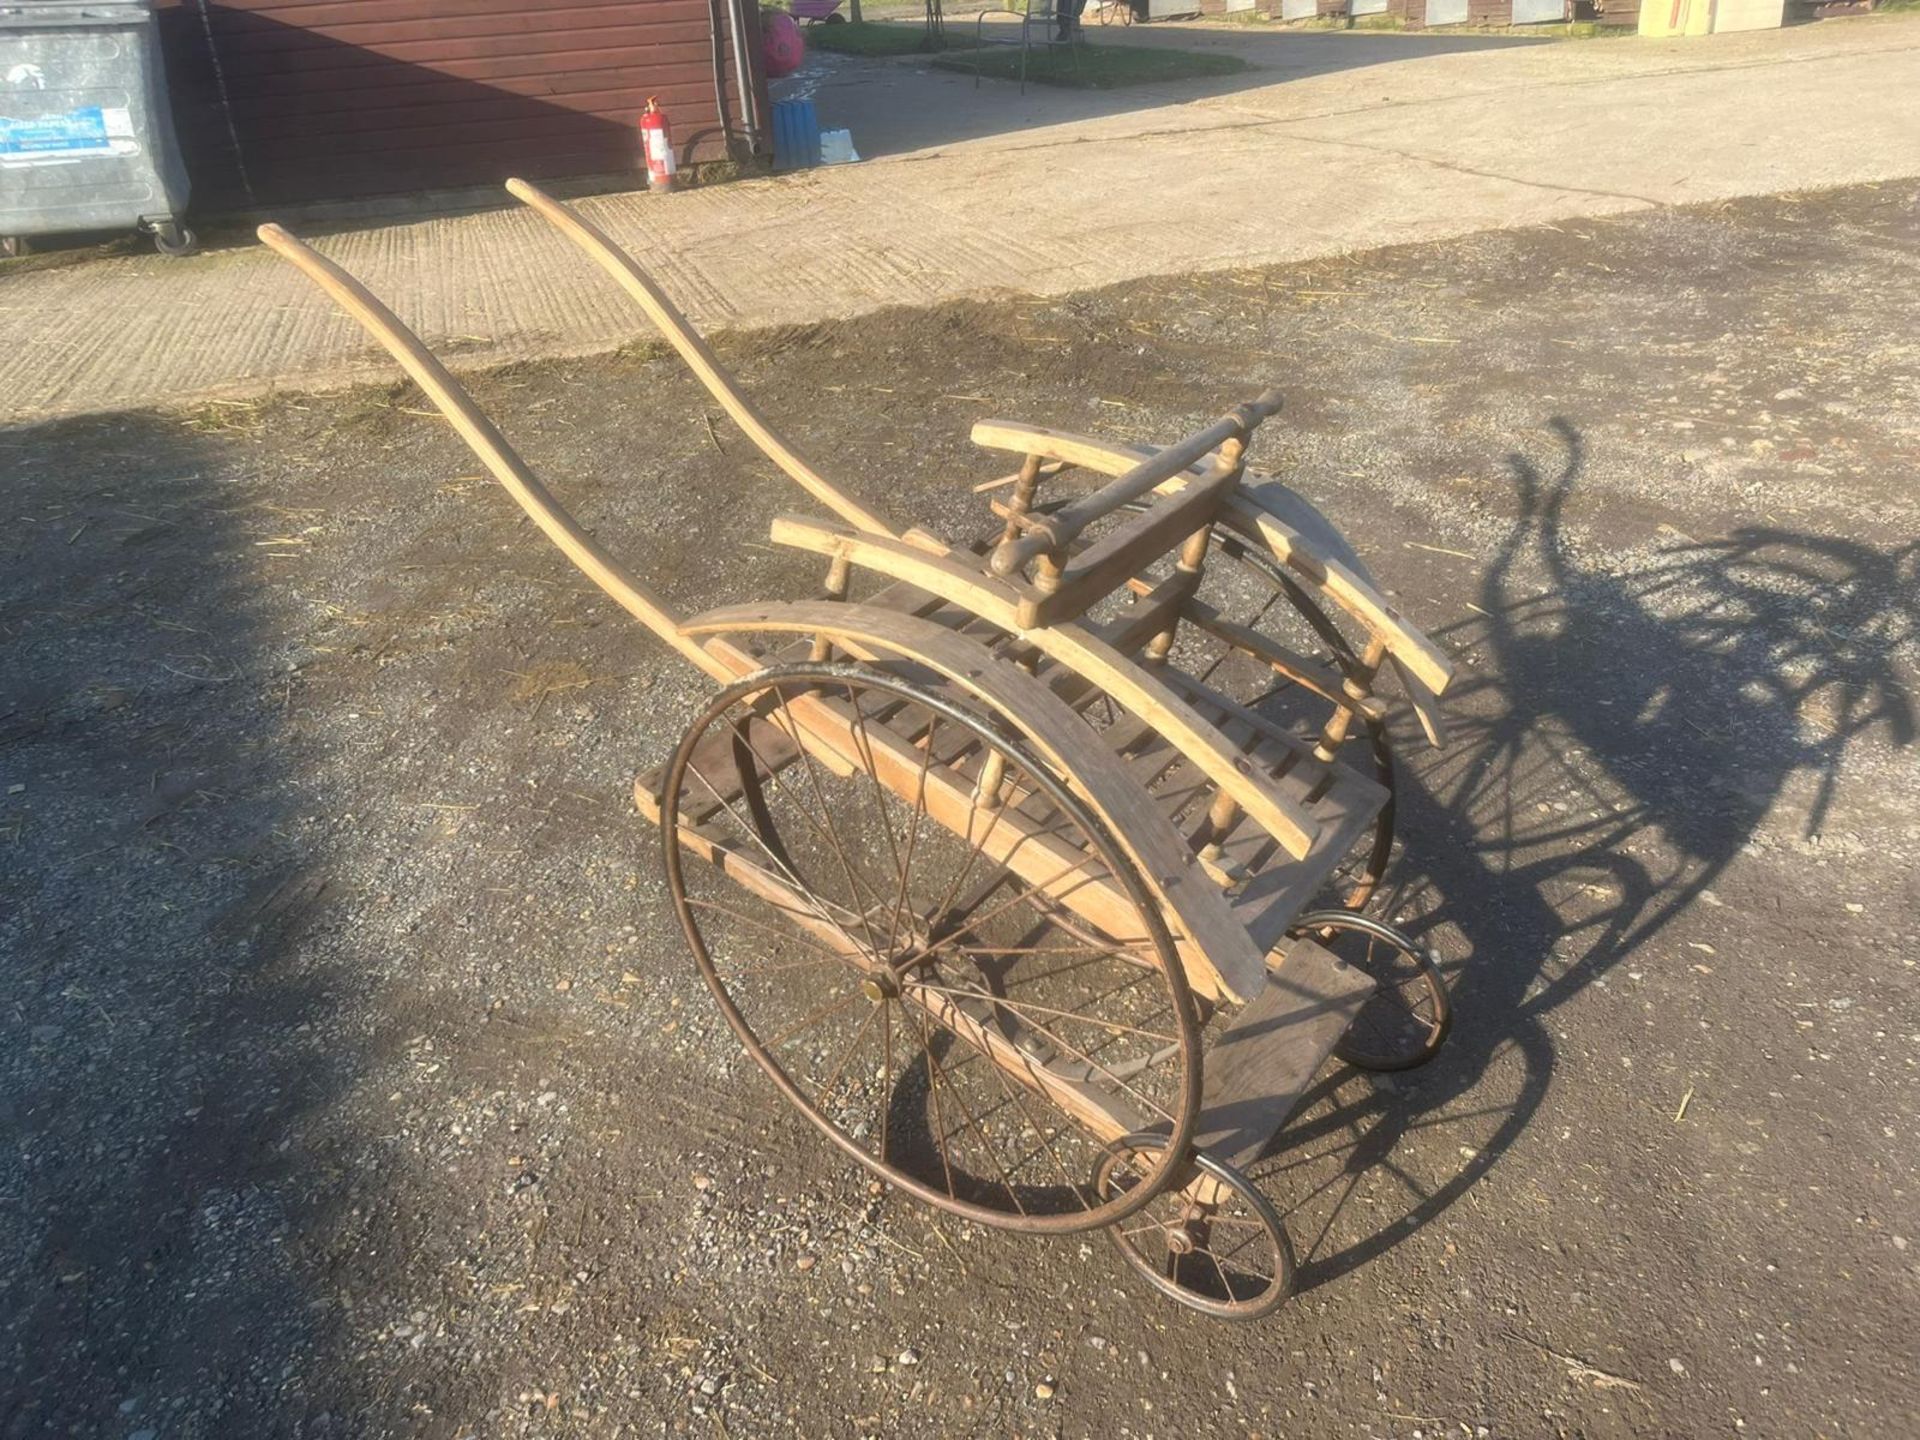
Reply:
x=1180, y=1240
x=880, y=987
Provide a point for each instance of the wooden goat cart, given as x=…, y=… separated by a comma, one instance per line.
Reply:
x=1035, y=876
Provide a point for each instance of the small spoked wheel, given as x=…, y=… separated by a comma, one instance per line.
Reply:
x=929, y=942
x=1215, y=1244
x=1405, y=1021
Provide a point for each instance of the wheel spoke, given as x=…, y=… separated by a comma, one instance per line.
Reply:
x=976, y=923
x=814, y=1017
x=820, y=799
x=1220, y=1270
x=773, y=930
x=913, y=837
x=879, y=792
x=886, y=1064
x=966, y=1112
x=1082, y=1055
x=933, y=1097
x=852, y=1045
x=799, y=887
x=1013, y=1094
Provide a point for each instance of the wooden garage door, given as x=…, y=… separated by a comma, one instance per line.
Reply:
x=286, y=100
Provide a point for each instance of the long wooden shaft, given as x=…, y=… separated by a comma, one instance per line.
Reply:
x=699, y=357
x=486, y=442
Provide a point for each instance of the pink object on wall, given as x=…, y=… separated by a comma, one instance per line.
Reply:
x=780, y=44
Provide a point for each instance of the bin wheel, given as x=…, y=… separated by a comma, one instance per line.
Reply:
x=174, y=239
x=1216, y=1246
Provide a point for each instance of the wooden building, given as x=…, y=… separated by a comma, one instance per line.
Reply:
x=280, y=101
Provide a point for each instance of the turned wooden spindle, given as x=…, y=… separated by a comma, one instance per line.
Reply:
x=839, y=576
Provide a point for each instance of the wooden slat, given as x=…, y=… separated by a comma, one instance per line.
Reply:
x=1272, y=887
x=1112, y=560
x=1322, y=680
x=1256, y=1072
x=1278, y=891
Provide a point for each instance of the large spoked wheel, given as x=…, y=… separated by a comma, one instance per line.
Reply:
x=1405, y=1021
x=1216, y=1246
x=967, y=997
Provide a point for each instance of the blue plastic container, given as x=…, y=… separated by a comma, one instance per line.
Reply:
x=796, y=135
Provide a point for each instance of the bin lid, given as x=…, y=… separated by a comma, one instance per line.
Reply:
x=52, y=14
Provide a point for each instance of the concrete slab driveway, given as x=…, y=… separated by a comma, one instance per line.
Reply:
x=355, y=1081
x=1327, y=148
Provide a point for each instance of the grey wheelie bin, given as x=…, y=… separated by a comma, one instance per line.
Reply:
x=86, y=136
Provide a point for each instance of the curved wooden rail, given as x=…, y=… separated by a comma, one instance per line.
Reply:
x=1216, y=951
x=486, y=442
x=1126, y=682
x=699, y=357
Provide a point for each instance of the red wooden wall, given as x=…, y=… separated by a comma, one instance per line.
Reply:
x=288, y=100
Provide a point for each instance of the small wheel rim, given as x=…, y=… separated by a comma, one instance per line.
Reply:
x=922, y=993
x=1406, y=1020
x=1230, y=1258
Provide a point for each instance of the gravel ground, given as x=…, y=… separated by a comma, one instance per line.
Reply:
x=357, y=1083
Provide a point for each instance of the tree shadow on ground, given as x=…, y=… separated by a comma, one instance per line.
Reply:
x=1622, y=736
x=162, y=1038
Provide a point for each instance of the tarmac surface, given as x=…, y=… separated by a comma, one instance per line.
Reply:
x=1333, y=142
x=355, y=1080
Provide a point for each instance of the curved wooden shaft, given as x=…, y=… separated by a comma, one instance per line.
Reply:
x=1081, y=651
x=1216, y=951
x=699, y=357
x=486, y=441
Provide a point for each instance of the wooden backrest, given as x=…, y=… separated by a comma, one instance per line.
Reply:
x=1281, y=524
x=1069, y=578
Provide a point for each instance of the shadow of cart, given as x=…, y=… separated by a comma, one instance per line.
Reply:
x=1622, y=737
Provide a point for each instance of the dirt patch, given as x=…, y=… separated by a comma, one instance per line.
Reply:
x=358, y=1082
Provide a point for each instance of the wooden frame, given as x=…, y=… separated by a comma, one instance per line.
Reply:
x=1009, y=624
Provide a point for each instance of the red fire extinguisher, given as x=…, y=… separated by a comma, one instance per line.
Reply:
x=658, y=144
